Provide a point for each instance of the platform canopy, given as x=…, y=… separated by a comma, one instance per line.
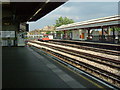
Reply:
x=93, y=23
x=29, y=11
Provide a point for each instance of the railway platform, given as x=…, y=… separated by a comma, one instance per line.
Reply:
x=24, y=68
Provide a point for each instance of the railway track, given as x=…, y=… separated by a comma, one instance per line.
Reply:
x=111, y=52
x=115, y=47
x=101, y=67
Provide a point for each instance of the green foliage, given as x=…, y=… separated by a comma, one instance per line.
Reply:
x=63, y=21
x=59, y=32
x=48, y=32
x=69, y=31
x=116, y=28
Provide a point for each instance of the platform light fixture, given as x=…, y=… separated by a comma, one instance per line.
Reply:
x=39, y=9
x=47, y=1
x=35, y=13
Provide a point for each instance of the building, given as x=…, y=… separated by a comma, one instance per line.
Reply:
x=35, y=34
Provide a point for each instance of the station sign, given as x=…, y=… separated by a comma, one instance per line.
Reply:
x=7, y=34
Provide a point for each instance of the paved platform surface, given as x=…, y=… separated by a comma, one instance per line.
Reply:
x=24, y=68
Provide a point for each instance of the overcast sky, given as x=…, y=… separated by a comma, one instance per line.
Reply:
x=78, y=11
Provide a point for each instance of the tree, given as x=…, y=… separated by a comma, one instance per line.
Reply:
x=48, y=32
x=116, y=28
x=63, y=21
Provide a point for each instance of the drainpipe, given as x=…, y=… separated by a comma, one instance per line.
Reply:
x=113, y=35
x=88, y=34
x=102, y=34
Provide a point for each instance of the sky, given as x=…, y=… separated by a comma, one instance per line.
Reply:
x=78, y=11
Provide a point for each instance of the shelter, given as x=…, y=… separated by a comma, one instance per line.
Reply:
x=83, y=30
x=16, y=14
